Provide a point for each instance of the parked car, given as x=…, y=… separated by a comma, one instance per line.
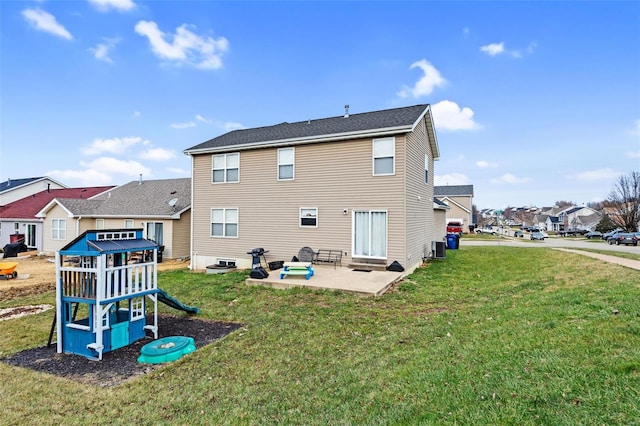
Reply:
x=518, y=234
x=537, y=236
x=487, y=230
x=593, y=234
x=627, y=238
x=611, y=236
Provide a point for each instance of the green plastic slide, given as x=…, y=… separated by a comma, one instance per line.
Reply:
x=168, y=300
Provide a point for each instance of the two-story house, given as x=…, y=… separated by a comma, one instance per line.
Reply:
x=359, y=183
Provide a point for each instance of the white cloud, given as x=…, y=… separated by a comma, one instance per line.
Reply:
x=202, y=119
x=636, y=129
x=137, y=114
x=451, y=179
x=493, y=49
x=634, y=154
x=101, y=51
x=121, y=5
x=158, y=154
x=114, y=145
x=44, y=21
x=483, y=164
x=114, y=165
x=447, y=115
x=466, y=31
x=229, y=126
x=179, y=171
x=429, y=81
x=511, y=179
x=186, y=47
x=83, y=177
x=183, y=125
x=594, y=175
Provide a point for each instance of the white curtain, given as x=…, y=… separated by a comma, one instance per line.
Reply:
x=361, y=237
x=379, y=234
x=370, y=234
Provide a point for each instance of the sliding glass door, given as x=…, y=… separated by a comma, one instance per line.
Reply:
x=370, y=233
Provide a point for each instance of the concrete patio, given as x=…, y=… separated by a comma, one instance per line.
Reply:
x=344, y=279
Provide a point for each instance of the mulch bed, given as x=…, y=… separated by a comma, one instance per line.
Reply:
x=120, y=365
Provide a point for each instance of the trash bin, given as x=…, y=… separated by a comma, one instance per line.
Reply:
x=452, y=241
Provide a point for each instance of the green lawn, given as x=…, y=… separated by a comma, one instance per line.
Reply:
x=489, y=335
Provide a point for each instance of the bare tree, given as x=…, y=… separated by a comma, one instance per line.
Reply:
x=624, y=201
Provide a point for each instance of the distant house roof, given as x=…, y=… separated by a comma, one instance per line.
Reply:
x=28, y=207
x=148, y=198
x=349, y=126
x=453, y=190
x=11, y=184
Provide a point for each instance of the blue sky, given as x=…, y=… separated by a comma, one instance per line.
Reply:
x=533, y=102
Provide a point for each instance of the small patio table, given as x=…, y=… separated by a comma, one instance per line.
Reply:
x=297, y=268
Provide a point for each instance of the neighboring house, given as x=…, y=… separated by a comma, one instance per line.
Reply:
x=553, y=224
x=16, y=189
x=18, y=219
x=571, y=217
x=162, y=208
x=540, y=221
x=460, y=200
x=359, y=183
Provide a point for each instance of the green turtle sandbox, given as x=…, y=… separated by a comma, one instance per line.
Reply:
x=167, y=349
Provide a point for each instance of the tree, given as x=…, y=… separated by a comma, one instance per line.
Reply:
x=605, y=224
x=624, y=201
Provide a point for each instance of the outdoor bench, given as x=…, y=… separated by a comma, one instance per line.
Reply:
x=328, y=256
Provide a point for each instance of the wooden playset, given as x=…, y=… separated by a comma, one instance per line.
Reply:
x=104, y=277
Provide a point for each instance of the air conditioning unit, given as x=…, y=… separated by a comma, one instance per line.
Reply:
x=439, y=248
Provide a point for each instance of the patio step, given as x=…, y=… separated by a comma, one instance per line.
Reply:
x=368, y=266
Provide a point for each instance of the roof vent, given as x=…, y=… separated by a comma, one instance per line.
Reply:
x=346, y=111
x=140, y=181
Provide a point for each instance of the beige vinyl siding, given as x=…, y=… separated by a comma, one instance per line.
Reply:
x=181, y=236
x=50, y=245
x=419, y=199
x=440, y=225
x=330, y=176
x=456, y=212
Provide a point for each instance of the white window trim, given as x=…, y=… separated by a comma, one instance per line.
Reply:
x=293, y=164
x=137, y=308
x=426, y=168
x=373, y=157
x=225, y=167
x=133, y=224
x=300, y=225
x=353, y=233
x=59, y=228
x=224, y=229
x=98, y=221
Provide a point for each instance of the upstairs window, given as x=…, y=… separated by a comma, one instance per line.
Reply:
x=426, y=168
x=128, y=223
x=226, y=168
x=384, y=156
x=99, y=223
x=286, y=158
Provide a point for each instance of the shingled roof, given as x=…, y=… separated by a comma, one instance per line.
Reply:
x=453, y=190
x=148, y=198
x=28, y=207
x=390, y=121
